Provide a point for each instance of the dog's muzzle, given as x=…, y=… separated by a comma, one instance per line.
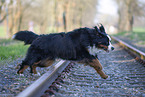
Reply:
x=110, y=47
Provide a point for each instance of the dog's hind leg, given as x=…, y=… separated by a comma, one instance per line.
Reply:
x=22, y=68
x=33, y=68
x=45, y=63
x=98, y=67
x=42, y=63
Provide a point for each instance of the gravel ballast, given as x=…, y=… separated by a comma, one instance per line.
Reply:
x=12, y=83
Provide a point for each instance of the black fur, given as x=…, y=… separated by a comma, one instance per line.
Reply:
x=69, y=46
x=27, y=36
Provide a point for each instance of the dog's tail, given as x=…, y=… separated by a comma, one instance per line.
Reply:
x=27, y=36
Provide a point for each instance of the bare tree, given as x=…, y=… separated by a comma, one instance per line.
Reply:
x=48, y=15
x=75, y=13
x=3, y=15
x=127, y=11
x=17, y=10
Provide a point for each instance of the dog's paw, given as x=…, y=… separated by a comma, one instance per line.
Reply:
x=22, y=75
x=38, y=74
x=105, y=77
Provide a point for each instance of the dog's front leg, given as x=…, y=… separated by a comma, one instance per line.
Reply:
x=98, y=67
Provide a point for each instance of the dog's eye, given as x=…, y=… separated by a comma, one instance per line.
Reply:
x=105, y=43
x=99, y=42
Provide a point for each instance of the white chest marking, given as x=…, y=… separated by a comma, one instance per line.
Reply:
x=93, y=50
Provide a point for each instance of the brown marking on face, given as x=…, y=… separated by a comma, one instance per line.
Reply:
x=103, y=46
x=22, y=68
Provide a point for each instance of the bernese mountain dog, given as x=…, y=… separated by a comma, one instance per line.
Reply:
x=77, y=45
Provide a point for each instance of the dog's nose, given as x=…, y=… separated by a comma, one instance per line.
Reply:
x=112, y=48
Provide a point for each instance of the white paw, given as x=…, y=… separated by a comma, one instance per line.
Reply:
x=38, y=74
x=22, y=75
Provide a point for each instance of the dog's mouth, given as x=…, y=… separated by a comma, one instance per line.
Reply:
x=105, y=48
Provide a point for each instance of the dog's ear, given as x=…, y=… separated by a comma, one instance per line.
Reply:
x=99, y=33
x=101, y=27
x=97, y=30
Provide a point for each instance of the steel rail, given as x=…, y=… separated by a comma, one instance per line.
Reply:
x=40, y=85
x=139, y=54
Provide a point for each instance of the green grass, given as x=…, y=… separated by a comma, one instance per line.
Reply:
x=138, y=34
x=12, y=50
x=5, y=41
x=138, y=29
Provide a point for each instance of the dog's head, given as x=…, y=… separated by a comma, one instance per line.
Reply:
x=100, y=39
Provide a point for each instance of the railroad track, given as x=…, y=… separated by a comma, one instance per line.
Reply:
x=126, y=77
